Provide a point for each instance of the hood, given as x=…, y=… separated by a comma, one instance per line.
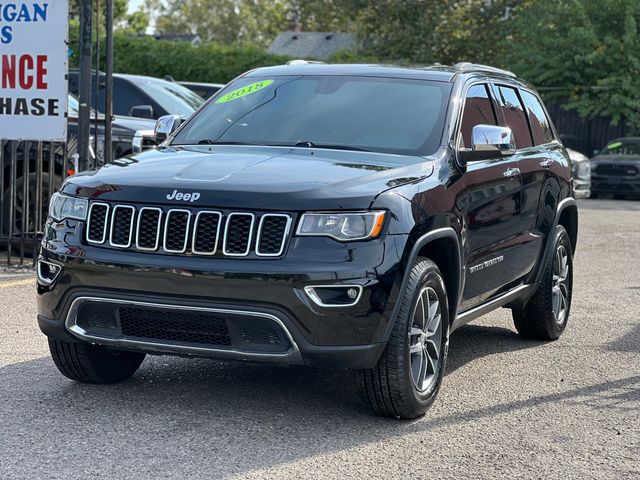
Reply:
x=273, y=178
x=133, y=123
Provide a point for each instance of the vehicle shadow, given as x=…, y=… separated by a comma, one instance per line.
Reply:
x=472, y=342
x=211, y=419
x=629, y=342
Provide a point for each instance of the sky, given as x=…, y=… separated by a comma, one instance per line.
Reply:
x=134, y=4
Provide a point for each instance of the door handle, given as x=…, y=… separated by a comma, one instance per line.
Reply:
x=511, y=172
x=546, y=163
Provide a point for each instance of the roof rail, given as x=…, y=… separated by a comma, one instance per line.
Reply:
x=301, y=61
x=476, y=67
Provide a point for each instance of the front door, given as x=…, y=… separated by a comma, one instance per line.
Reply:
x=491, y=209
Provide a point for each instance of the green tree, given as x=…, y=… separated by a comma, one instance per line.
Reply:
x=137, y=22
x=224, y=21
x=587, y=51
x=428, y=31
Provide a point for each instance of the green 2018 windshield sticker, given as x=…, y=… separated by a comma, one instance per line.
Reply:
x=613, y=145
x=243, y=91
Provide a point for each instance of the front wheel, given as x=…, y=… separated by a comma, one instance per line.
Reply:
x=405, y=381
x=88, y=363
x=545, y=315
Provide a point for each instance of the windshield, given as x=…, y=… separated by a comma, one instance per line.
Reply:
x=388, y=115
x=172, y=97
x=622, y=148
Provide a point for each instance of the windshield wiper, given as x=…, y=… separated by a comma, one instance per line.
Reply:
x=300, y=143
x=310, y=144
x=206, y=141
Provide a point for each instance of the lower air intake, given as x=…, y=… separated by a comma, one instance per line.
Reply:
x=175, y=326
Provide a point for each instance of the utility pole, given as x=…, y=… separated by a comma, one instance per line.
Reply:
x=84, y=90
x=108, y=97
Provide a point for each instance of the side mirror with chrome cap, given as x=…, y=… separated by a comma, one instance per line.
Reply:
x=165, y=126
x=489, y=141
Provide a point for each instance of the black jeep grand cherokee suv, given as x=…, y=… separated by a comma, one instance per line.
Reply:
x=344, y=216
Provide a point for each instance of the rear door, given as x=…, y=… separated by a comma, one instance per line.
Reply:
x=491, y=210
x=539, y=161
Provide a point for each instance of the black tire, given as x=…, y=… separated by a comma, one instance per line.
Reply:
x=390, y=387
x=543, y=318
x=619, y=196
x=88, y=363
x=593, y=195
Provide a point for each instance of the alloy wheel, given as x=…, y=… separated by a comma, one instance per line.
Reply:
x=560, y=286
x=425, y=340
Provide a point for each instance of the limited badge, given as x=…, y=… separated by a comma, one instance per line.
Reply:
x=244, y=91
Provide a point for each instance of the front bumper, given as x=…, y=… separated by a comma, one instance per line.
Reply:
x=272, y=289
x=581, y=187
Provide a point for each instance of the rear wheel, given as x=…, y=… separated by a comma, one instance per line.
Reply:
x=545, y=315
x=619, y=196
x=406, y=379
x=88, y=363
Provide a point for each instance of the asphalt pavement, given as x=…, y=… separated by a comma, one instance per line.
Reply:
x=509, y=408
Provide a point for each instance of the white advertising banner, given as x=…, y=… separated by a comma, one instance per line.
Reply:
x=33, y=70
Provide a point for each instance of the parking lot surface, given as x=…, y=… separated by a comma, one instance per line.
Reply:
x=508, y=408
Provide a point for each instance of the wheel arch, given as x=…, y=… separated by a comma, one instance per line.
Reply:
x=567, y=216
x=444, y=251
x=443, y=247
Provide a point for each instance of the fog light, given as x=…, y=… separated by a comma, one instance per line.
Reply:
x=47, y=272
x=334, y=295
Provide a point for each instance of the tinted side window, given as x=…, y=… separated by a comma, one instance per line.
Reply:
x=539, y=122
x=125, y=97
x=478, y=110
x=514, y=116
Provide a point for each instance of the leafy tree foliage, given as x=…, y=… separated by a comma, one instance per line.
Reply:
x=585, y=50
x=223, y=21
x=207, y=63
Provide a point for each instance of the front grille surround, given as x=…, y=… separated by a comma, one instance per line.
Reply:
x=104, y=220
x=196, y=232
x=193, y=231
x=226, y=240
x=113, y=230
x=166, y=238
x=283, y=241
x=141, y=215
x=613, y=169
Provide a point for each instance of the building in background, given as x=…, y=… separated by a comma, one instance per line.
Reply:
x=315, y=45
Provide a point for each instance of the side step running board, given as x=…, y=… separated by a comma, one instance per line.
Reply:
x=504, y=299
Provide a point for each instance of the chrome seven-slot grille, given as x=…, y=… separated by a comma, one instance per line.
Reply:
x=178, y=230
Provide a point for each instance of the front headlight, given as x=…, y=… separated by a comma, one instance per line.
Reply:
x=584, y=169
x=62, y=206
x=342, y=226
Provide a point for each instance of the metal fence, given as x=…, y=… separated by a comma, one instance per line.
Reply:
x=30, y=172
x=585, y=134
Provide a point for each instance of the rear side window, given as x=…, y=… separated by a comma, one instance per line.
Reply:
x=514, y=116
x=478, y=110
x=540, y=126
x=125, y=97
